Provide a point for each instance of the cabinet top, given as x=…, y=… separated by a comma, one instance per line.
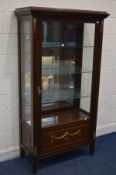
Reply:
x=60, y=12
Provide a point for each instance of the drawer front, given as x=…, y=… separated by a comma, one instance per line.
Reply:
x=65, y=136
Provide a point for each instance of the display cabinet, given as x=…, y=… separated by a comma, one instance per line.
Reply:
x=59, y=72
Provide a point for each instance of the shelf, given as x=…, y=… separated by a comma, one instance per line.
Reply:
x=56, y=93
x=55, y=106
x=62, y=69
x=60, y=118
x=60, y=100
x=47, y=100
x=56, y=69
x=63, y=45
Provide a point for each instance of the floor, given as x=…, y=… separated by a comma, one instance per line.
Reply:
x=73, y=163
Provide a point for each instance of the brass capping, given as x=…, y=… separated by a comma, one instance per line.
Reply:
x=34, y=24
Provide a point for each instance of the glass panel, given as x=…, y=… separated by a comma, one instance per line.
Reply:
x=26, y=70
x=51, y=35
x=67, y=61
x=58, y=64
x=87, y=66
x=73, y=34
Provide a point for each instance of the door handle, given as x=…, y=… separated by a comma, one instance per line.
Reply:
x=39, y=90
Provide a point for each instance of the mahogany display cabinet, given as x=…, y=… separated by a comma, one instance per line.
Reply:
x=59, y=72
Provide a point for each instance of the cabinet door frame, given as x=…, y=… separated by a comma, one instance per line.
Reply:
x=36, y=74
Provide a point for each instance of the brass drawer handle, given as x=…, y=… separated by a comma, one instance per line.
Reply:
x=60, y=137
x=75, y=133
x=64, y=135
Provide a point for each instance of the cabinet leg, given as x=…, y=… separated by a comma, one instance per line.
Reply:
x=92, y=148
x=34, y=164
x=22, y=153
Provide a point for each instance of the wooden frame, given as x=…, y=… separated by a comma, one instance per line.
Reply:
x=79, y=128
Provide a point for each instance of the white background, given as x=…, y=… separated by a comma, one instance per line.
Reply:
x=9, y=127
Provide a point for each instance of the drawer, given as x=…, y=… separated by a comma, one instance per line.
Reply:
x=68, y=135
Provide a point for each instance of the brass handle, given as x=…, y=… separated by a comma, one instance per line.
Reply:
x=60, y=137
x=75, y=133
x=39, y=90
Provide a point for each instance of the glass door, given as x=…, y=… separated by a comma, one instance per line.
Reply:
x=59, y=65
x=67, y=60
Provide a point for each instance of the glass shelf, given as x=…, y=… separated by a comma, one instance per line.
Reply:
x=63, y=45
x=46, y=102
x=56, y=93
x=60, y=69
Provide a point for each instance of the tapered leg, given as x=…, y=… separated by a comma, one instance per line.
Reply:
x=92, y=148
x=22, y=153
x=34, y=164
